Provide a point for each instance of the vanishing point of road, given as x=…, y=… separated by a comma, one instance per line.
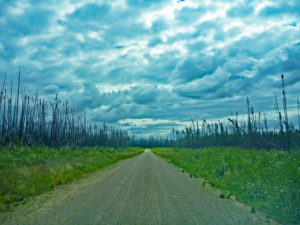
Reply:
x=142, y=190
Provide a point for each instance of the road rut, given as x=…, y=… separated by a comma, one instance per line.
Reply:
x=142, y=190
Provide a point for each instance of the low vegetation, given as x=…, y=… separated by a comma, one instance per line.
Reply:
x=268, y=181
x=29, y=171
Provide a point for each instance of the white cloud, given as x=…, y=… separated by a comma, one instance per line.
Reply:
x=95, y=35
x=14, y=11
x=80, y=37
x=263, y=4
x=109, y=88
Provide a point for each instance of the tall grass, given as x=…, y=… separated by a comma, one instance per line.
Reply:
x=34, y=121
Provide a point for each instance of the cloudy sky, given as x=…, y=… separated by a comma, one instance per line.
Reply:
x=147, y=66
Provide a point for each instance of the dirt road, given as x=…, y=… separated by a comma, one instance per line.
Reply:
x=142, y=190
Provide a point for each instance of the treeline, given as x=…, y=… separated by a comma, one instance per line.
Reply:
x=254, y=132
x=151, y=142
x=33, y=121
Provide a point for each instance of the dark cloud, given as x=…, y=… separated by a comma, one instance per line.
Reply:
x=145, y=4
x=91, y=12
x=189, y=15
x=199, y=66
x=33, y=21
x=281, y=8
x=154, y=41
x=50, y=89
x=241, y=10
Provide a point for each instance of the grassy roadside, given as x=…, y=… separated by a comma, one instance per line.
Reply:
x=26, y=172
x=267, y=181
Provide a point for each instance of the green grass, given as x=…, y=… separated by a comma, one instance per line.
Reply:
x=26, y=172
x=267, y=181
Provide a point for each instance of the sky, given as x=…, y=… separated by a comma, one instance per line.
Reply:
x=150, y=66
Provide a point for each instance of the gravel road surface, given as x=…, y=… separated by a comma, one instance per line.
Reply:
x=142, y=190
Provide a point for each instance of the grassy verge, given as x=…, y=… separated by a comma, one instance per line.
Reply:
x=26, y=172
x=267, y=181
